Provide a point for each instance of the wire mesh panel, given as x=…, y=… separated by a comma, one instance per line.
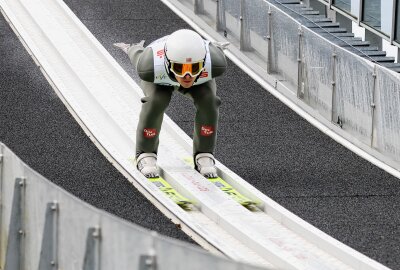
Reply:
x=232, y=17
x=317, y=58
x=210, y=9
x=256, y=14
x=354, y=95
x=284, y=47
x=388, y=112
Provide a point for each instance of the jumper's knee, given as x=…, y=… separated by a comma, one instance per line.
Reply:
x=157, y=103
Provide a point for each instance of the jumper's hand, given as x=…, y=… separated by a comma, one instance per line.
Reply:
x=123, y=46
x=220, y=44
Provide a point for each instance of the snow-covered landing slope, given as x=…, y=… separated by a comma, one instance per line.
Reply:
x=106, y=103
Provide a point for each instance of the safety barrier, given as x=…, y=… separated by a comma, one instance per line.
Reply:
x=43, y=227
x=353, y=94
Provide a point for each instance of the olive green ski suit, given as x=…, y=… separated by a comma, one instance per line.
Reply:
x=157, y=98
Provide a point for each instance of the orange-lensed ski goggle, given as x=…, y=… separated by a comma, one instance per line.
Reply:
x=193, y=69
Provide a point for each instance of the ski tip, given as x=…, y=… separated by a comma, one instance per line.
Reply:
x=252, y=206
x=187, y=206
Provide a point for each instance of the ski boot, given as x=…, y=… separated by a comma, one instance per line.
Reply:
x=205, y=165
x=147, y=165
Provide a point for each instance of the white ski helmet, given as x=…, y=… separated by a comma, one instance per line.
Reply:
x=185, y=46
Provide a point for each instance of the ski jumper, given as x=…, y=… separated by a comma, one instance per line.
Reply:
x=158, y=85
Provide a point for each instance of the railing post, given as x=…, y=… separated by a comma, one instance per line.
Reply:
x=221, y=20
x=149, y=261
x=373, y=106
x=333, y=83
x=92, y=253
x=360, y=12
x=269, y=41
x=300, y=64
x=198, y=7
x=49, y=250
x=245, y=43
x=394, y=11
x=15, y=257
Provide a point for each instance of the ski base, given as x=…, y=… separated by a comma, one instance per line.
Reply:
x=174, y=195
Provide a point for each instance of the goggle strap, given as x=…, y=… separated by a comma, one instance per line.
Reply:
x=187, y=68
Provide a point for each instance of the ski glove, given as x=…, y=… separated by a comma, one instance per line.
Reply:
x=125, y=46
x=220, y=44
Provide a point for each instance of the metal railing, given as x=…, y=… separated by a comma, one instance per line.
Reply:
x=385, y=26
x=43, y=227
x=360, y=97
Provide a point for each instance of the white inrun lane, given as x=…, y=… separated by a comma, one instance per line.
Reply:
x=106, y=103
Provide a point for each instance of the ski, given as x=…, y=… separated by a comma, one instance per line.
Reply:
x=228, y=189
x=174, y=195
x=232, y=192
